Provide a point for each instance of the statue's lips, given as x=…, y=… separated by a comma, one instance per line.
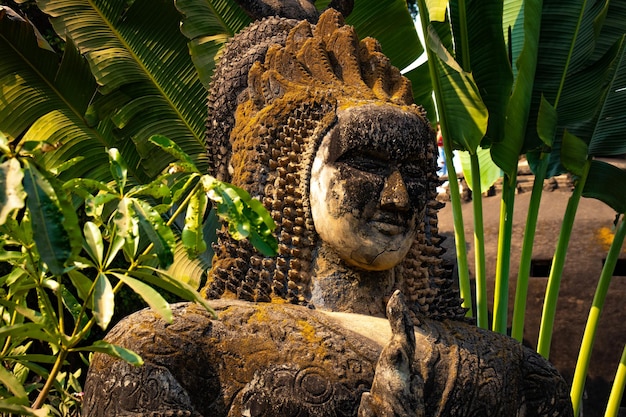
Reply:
x=390, y=225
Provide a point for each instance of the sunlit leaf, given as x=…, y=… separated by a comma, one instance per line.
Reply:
x=103, y=301
x=483, y=46
x=149, y=295
x=168, y=283
x=209, y=24
x=44, y=100
x=27, y=331
x=489, y=171
x=21, y=410
x=126, y=227
x=138, y=47
x=156, y=230
x=192, y=235
x=118, y=168
x=437, y=9
x=506, y=153
x=11, y=190
x=172, y=148
x=113, y=350
x=93, y=239
x=11, y=382
x=460, y=99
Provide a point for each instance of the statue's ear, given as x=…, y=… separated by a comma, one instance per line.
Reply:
x=255, y=85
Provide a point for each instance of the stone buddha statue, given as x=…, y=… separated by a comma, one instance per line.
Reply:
x=358, y=313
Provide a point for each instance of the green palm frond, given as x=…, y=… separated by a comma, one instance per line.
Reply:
x=209, y=24
x=139, y=57
x=46, y=99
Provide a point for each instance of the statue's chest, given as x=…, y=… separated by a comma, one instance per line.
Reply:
x=278, y=363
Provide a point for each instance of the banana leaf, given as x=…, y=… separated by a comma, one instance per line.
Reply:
x=46, y=99
x=593, y=66
x=140, y=61
x=209, y=24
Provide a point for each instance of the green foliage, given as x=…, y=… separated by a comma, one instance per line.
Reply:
x=71, y=266
x=91, y=186
x=559, y=102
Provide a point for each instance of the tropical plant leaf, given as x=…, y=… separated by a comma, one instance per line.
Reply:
x=489, y=171
x=371, y=18
x=459, y=98
x=209, y=24
x=74, y=307
x=573, y=153
x=21, y=410
x=50, y=234
x=506, y=153
x=137, y=48
x=127, y=227
x=547, y=120
x=27, y=331
x=82, y=284
x=487, y=56
x=44, y=100
x=582, y=89
x=608, y=136
x=11, y=190
x=192, y=235
x=103, y=301
x=118, y=168
x=156, y=230
x=423, y=90
x=113, y=350
x=601, y=182
x=172, y=148
x=149, y=295
x=171, y=284
x=437, y=10
x=94, y=243
x=15, y=387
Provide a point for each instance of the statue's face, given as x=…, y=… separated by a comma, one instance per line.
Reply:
x=368, y=185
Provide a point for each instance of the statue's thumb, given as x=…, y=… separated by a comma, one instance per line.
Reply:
x=400, y=321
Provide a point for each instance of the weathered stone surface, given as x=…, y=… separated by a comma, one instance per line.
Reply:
x=271, y=359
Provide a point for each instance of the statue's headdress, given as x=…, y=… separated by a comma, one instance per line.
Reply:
x=269, y=109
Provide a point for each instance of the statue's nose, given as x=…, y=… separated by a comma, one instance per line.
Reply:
x=394, y=195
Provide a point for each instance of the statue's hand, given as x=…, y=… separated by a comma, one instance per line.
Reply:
x=397, y=390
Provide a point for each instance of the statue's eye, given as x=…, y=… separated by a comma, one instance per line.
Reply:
x=367, y=161
x=412, y=172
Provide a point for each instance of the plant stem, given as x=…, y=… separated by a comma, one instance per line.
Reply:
x=503, y=260
x=521, y=290
x=584, y=354
x=459, y=232
x=51, y=378
x=465, y=50
x=554, y=280
x=615, y=398
x=482, y=318
x=455, y=197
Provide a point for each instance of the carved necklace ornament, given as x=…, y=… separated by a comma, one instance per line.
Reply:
x=358, y=314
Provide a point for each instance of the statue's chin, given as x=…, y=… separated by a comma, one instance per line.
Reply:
x=377, y=256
